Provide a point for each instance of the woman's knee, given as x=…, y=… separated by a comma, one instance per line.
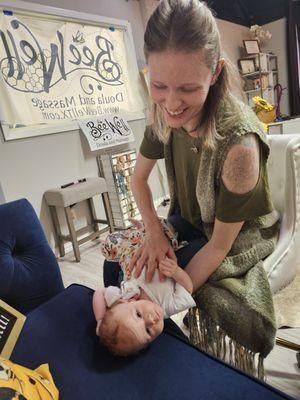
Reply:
x=185, y=230
x=111, y=273
x=186, y=253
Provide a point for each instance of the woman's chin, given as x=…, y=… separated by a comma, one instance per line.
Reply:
x=175, y=122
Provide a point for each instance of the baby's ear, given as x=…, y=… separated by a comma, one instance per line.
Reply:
x=137, y=224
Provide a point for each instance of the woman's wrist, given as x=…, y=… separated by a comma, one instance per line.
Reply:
x=153, y=227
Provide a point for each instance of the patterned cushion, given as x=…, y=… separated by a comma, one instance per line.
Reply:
x=17, y=382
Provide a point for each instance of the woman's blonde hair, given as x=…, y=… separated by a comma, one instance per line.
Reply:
x=189, y=25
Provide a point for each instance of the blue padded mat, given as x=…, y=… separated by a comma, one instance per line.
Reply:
x=61, y=332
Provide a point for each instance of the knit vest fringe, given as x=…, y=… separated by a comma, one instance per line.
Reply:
x=208, y=336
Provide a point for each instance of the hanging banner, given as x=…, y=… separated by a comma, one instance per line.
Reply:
x=52, y=71
x=106, y=131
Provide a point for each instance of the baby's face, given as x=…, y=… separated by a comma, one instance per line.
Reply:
x=143, y=318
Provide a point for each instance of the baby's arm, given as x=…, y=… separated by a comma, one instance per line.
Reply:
x=99, y=304
x=170, y=268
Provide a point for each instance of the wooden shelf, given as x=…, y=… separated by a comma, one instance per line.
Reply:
x=117, y=170
x=250, y=74
x=251, y=91
x=261, y=82
x=256, y=73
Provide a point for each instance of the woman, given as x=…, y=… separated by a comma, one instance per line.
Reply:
x=215, y=153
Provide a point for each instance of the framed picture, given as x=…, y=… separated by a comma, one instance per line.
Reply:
x=247, y=65
x=251, y=46
x=11, y=323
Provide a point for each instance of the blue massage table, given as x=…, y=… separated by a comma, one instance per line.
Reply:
x=61, y=332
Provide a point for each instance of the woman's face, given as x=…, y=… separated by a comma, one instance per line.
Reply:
x=179, y=84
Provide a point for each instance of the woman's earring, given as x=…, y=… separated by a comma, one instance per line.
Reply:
x=217, y=71
x=213, y=80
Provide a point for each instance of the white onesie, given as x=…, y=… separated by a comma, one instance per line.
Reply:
x=170, y=295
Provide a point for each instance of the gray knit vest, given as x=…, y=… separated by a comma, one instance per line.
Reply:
x=256, y=239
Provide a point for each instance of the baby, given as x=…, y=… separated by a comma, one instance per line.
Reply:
x=130, y=318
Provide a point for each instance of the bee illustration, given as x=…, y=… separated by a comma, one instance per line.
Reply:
x=78, y=38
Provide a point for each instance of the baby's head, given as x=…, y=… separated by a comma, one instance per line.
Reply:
x=129, y=326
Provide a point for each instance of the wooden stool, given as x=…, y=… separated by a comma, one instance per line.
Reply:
x=68, y=197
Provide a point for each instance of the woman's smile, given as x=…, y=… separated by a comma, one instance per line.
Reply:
x=175, y=115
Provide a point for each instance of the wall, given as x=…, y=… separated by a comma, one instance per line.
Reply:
x=147, y=7
x=278, y=45
x=30, y=166
x=232, y=36
x=2, y=198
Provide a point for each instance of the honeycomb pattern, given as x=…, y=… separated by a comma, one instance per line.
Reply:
x=32, y=79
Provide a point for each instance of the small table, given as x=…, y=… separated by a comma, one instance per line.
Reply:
x=69, y=196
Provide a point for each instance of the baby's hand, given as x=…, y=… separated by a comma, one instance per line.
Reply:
x=168, y=267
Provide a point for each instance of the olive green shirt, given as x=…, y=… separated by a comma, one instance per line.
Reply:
x=230, y=207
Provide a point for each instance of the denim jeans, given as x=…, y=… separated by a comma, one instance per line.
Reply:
x=112, y=274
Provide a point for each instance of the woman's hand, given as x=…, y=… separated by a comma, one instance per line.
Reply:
x=154, y=249
x=155, y=246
